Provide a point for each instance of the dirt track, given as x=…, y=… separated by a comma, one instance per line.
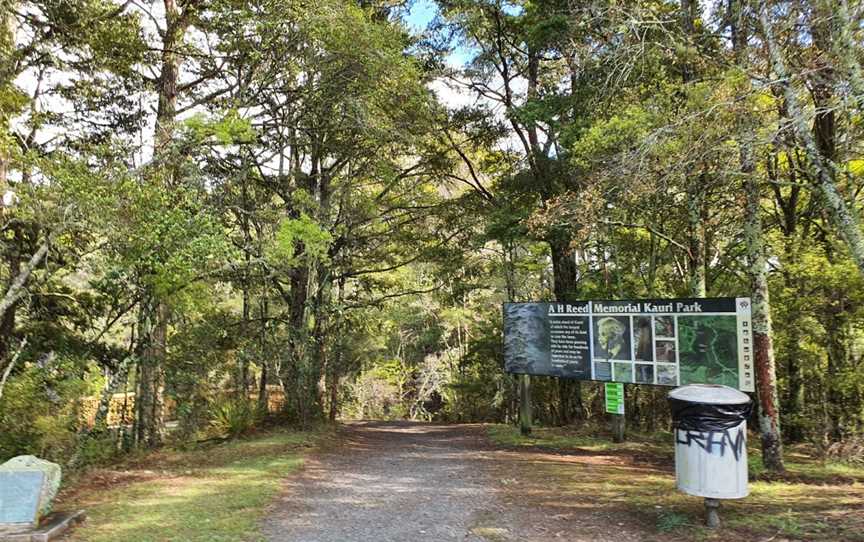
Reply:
x=400, y=481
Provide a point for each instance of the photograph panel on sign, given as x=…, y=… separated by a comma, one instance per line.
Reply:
x=612, y=338
x=526, y=338
x=602, y=370
x=643, y=342
x=667, y=374
x=665, y=350
x=644, y=373
x=622, y=372
x=664, y=327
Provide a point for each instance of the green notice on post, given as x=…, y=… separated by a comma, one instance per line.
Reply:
x=614, y=398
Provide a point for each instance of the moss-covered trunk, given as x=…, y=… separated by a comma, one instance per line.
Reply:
x=757, y=268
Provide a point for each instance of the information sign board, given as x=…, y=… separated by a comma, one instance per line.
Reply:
x=668, y=342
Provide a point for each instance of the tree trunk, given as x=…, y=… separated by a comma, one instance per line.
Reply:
x=318, y=360
x=176, y=24
x=565, y=274
x=695, y=189
x=150, y=419
x=149, y=394
x=564, y=270
x=696, y=238
x=7, y=75
x=843, y=217
x=837, y=338
x=757, y=266
x=335, y=367
x=333, y=370
x=247, y=247
x=17, y=283
x=793, y=403
x=263, y=392
x=526, y=416
x=8, y=317
x=847, y=51
x=696, y=260
x=763, y=349
x=292, y=369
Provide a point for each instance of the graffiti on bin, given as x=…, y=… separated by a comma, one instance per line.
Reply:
x=714, y=441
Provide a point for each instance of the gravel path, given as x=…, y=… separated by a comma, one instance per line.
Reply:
x=407, y=482
x=393, y=481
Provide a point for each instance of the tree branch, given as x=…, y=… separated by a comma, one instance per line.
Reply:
x=11, y=365
x=16, y=288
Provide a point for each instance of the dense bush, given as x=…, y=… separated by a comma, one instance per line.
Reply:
x=40, y=412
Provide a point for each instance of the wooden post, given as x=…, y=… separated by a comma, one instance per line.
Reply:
x=619, y=422
x=525, y=414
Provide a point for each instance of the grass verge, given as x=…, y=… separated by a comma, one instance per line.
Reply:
x=813, y=501
x=215, y=494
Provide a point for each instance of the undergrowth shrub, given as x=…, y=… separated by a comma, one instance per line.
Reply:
x=99, y=448
x=233, y=417
x=40, y=409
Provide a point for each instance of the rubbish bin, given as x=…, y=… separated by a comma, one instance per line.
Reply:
x=710, y=425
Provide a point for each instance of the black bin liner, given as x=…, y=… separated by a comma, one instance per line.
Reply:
x=690, y=416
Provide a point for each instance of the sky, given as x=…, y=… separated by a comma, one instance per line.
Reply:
x=418, y=18
x=420, y=14
x=450, y=94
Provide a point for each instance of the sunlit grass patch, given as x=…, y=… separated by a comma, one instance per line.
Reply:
x=813, y=501
x=805, y=511
x=560, y=438
x=217, y=494
x=803, y=466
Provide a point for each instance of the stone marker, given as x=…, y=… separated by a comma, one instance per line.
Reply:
x=19, y=499
x=28, y=486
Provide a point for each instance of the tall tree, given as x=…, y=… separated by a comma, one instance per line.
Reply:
x=754, y=238
x=154, y=311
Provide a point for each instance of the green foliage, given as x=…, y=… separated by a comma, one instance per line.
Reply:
x=203, y=356
x=380, y=392
x=233, y=417
x=611, y=136
x=299, y=232
x=318, y=213
x=231, y=128
x=97, y=449
x=167, y=239
x=39, y=410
